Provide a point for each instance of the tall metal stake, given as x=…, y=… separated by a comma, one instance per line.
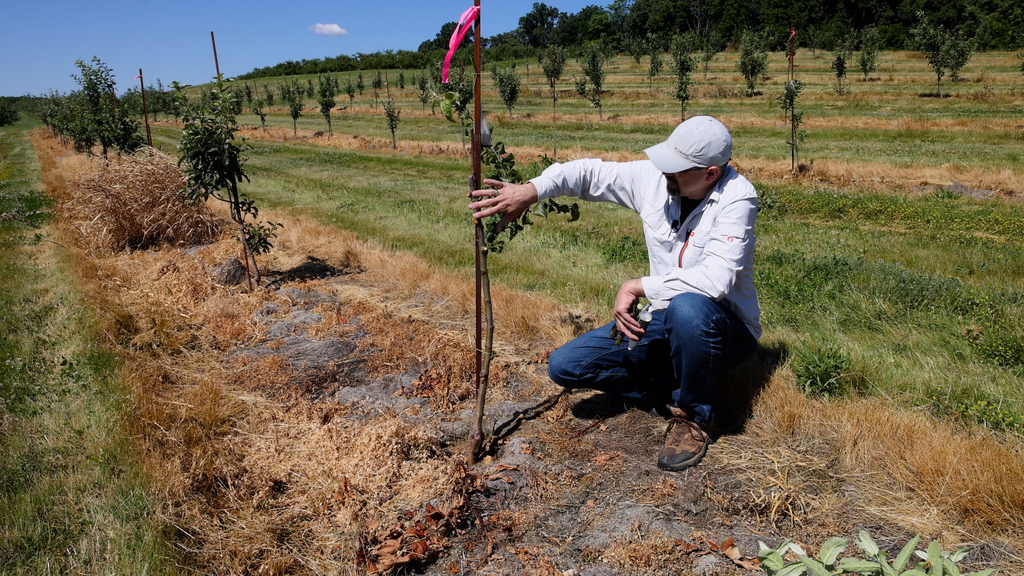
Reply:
x=215, y=62
x=483, y=288
x=145, y=111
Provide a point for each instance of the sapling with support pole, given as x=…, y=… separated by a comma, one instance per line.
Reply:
x=145, y=111
x=487, y=234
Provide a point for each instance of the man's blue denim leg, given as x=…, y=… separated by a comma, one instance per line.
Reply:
x=682, y=351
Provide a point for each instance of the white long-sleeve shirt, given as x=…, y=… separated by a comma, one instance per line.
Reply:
x=711, y=252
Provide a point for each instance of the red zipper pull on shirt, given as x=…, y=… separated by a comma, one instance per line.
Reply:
x=689, y=234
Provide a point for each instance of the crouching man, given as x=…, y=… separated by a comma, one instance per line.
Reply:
x=698, y=218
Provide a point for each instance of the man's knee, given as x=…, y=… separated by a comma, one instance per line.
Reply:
x=691, y=310
x=562, y=370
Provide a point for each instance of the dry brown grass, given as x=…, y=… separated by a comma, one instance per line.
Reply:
x=866, y=461
x=134, y=203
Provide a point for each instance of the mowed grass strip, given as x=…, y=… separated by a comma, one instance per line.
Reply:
x=72, y=499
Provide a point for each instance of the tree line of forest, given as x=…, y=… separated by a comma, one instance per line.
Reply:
x=626, y=26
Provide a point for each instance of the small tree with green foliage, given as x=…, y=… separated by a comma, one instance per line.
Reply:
x=326, y=91
x=654, y=67
x=943, y=49
x=591, y=85
x=268, y=94
x=711, y=45
x=788, y=100
x=378, y=84
x=683, y=65
x=257, y=109
x=635, y=47
x=350, y=90
x=294, y=100
x=310, y=90
x=870, y=41
x=753, y=62
x=360, y=84
x=248, y=93
x=552, y=65
x=392, y=112
x=423, y=91
x=508, y=83
x=213, y=160
x=841, y=57
x=401, y=80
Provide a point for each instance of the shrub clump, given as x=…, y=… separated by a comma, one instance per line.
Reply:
x=136, y=204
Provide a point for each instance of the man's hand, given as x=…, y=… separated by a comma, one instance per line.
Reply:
x=506, y=198
x=629, y=293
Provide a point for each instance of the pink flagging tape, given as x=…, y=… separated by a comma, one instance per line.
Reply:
x=461, y=29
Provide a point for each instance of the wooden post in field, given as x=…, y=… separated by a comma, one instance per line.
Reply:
x=484, y=334
x=215, y=62
x=145, y=111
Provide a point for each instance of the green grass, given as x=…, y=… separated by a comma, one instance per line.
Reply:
x=72, y=498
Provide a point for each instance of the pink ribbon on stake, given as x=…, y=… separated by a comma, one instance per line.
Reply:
x=461, y=29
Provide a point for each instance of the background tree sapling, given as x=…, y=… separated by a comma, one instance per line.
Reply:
x=840, y=59
x=654, y=66
x=391, y=112
x=378, y=83
x=257, y=109
x=788, y=100
x=553, y=64
x=326, y=89
x=683, y=65
x=508, y=83
x=710, y=45
x=592, y=62
x=753, y=62
x=870, y=41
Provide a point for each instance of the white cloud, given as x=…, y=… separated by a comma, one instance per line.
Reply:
x=328, y=29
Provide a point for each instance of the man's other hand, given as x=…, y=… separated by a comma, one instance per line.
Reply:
x=505, y=198
x=629, y=293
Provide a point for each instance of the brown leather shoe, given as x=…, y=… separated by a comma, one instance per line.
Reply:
x=686, y=444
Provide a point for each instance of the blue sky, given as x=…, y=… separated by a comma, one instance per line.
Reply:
x=41, y=39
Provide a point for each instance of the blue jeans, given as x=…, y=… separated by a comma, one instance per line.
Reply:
x=681, y=352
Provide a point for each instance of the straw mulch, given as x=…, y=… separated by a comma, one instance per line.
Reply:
x=133, y=204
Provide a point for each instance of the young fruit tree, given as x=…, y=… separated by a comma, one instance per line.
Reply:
x=507, y=82
x=294, y=100
x=213, y=160
x=592, y=62
x=326, y=90
x=423, y=91
x=391, y=112
x=350, y=90
x=870, y=41
x=378, y=83
x=257, y=109
x=97, y=117
x=753, y=62
x=654, y=66
x=710, y=45
x=943, y=49
x=841, y=57
x=683, y=65
x=788, y=100
x=268, y=94
x=552, y=67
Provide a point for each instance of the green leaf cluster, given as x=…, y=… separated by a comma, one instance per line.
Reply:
x=933, y=562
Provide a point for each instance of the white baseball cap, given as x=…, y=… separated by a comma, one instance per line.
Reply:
x=699, y=142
